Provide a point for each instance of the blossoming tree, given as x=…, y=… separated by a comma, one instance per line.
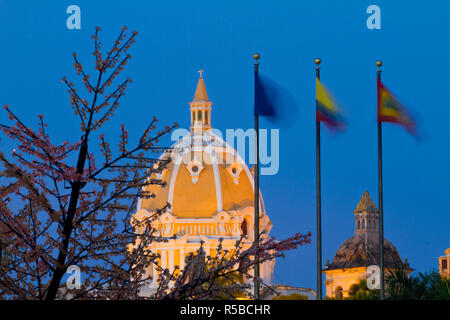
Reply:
x=71, y=204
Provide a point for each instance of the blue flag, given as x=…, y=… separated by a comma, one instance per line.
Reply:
x=273, y=101
x=264, y=98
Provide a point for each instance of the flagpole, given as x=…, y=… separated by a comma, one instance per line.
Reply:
x=256, y=188
x=319, y=199
x=380, y=188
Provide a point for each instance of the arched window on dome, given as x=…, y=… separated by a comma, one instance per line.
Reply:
x=206, y=117
x=199, y=115
x=359, y=225
x=244, y=228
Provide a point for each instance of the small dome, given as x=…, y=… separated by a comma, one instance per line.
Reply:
x=362, y=250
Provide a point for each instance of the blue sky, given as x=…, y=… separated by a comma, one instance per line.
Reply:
x=176, y=38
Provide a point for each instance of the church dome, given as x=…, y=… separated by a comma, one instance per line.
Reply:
x=205, y=176
x=208, y=191
x=362, y=249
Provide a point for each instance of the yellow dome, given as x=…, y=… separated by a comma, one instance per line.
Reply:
x=210, y=190
x=204, y=178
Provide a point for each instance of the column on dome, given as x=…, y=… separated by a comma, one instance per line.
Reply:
x=154, y=275
x=182, y=258
x=171, y=260
x=163, y=259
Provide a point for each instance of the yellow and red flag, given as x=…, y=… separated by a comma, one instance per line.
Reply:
x=391, y=110
x=327, y=110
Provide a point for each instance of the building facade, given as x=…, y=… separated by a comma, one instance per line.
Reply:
x=210, y=192
x=444, y=264
x=356, y=254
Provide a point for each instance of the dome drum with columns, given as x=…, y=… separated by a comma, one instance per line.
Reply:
x=210, y=191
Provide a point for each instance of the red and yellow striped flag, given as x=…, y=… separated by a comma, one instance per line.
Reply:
x=391, y=110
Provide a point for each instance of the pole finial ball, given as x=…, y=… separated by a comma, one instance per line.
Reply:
x=379, y=63
x=317, y=61
x=256, y=56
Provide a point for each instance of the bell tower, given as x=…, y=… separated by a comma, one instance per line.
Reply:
x=366, y=216
x=200, y=107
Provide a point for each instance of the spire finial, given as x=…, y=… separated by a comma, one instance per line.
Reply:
x=200, y=92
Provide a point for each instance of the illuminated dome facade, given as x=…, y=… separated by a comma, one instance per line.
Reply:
x=210, y=191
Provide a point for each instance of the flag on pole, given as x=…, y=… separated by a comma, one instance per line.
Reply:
x=327, y=110
x=268, y=95
x=264, y=104
x=274, y=102
x=391, y=110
